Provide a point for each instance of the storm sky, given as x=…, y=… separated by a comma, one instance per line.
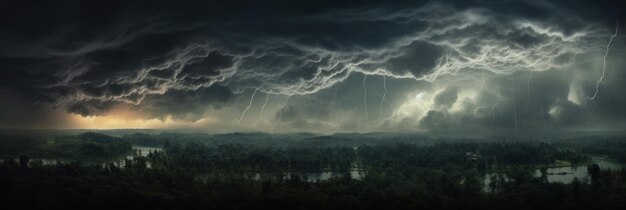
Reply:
x=315, y=66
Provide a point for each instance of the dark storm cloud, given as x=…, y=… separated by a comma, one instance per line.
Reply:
x=90, y=57
x=445, y=99
x=539, y=102
x=90, y=107
x=187, y=105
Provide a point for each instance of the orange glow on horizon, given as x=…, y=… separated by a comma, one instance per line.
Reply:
x=124, y=119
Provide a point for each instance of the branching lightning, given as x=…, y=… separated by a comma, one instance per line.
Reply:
x=267, y=98
x=515, y=113
x=280, y=112
x=572, y=62
x=459, y=35
x=484, y=81
x=365, y=98
x=530, y=76
x=243, y=114
x=382, y=100
x=331, y=106
x=493, y=113
x=457, y=32
x=592, y=98
x=543, y=121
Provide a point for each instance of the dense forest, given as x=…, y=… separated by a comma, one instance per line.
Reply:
x=248, y=174
x=82, y=146
x=615, y=147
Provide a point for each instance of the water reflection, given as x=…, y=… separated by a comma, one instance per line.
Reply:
x=121, y=162
x=354, y=173
x=568, y=173
x=556, y=174
x=564, y=174
x=144, y=151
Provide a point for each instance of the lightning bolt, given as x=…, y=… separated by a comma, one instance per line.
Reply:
x=515, y=112
x=592, y=98
x=530, y=95
x=482, y=85
x=243, y=114
x=365, y=98
x=572, y=62
x=380, y=116
x=267, y=98
x=331, y=106
x=493, y=113
x=530, y=76
x=494, y=55
x=543, y=122
x=280, y=112
x=383, y=100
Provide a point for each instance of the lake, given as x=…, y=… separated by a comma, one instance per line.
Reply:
x=140, y=150
x=555, y=174
x=305, y=176
x=566, y=174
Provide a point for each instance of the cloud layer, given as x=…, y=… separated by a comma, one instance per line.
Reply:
x=318, y=66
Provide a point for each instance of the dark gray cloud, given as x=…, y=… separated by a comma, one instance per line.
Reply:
x=445, y=99
x=187, y=105
x=429, y=65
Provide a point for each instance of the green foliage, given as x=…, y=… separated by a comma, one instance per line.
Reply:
x=135, y=186
x=192, y=172
x=13, y=145
x=613, y=147
x=82, y=146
